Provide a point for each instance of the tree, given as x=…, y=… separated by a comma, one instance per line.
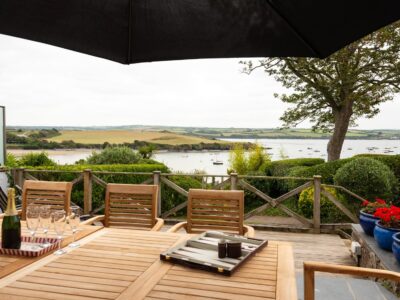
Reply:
x=334, y=92
x=256, y=160
x=114, y=155
x=147, y=151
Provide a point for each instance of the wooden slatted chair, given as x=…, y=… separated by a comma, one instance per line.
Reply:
x=131, y=206
x=215, y=210
x=55, y=194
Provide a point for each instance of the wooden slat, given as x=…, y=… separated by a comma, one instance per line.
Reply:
x=124, y=264
x=174, y=186
x=55, y=194
x=204, y=207
x=131, y=205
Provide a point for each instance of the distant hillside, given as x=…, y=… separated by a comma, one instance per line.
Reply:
x=129, y=136
x=165, y=134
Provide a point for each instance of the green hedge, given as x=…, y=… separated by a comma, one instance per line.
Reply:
x=326, y=170
x=282, y=168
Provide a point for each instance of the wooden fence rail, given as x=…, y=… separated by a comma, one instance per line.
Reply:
x=232, y=181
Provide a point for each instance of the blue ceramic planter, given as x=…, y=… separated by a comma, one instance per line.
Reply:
x=384, y=236
x=396, y=246
x=367, y=222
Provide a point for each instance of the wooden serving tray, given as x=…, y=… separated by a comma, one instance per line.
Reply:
x=201, y=252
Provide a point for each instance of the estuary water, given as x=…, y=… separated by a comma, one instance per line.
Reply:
x=277, y=148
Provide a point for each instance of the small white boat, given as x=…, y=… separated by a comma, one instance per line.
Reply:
x=218, y=162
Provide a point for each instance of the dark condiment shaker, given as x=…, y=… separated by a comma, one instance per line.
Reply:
x=234, y=249
x=222, y=249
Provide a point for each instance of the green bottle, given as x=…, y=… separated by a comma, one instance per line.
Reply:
x=11, y=226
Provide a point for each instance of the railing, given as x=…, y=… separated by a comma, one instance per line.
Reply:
x=232, y=181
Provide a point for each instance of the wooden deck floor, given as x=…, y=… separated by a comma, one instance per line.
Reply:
x=329, y=248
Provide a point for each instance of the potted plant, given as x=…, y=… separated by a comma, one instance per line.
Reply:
x=367, y=218
x=396, y=246
x=387, y=225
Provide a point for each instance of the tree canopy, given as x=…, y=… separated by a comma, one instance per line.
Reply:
x=334, y=92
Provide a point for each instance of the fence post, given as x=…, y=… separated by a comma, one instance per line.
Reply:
x=234, y=181
x=19, y=177
x=157, y=181
x=317, y=204
x=87, y=191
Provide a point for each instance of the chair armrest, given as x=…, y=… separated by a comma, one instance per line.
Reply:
x=178, y=226
x=249, y=231
x=91, y=221
x=158, y=225
x=311, y=267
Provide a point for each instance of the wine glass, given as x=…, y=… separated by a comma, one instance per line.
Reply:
x=32, y=222
x=74, y=219
x=45, y=221
x=59, y=221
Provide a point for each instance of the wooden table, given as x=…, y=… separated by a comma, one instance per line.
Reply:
x=124, y=264
x=9, y=264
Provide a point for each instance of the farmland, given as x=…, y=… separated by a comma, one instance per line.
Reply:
x=128, y=136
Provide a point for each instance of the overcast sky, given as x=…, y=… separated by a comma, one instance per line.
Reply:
x=45, y=85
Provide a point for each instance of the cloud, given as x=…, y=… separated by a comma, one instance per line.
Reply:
x=45, y=85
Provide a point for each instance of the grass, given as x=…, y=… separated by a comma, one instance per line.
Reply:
x=128, y=136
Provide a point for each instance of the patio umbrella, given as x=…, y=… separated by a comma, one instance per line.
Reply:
x=132, y=31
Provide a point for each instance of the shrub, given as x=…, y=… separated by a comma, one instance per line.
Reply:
x=329, y=212
x=255, y=161
x=367, y=177
x=171, y=198
x=36, y=159
x=114, y=155
x=281, y=168
x=392, y=161
x=326, y=170
x=12, y=161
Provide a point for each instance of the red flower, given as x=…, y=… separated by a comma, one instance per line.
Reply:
x=380, y=201
x=365, y=203
x=390, y=216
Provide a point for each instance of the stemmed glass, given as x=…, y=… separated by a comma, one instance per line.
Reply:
x=45, y=221
x=32, y=222
x=59, y=221
x=74, y=219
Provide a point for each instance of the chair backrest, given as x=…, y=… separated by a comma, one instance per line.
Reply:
x=131, y=205
x=54, y=193
x=215, y=210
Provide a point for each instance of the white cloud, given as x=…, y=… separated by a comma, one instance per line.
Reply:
x=45, y=85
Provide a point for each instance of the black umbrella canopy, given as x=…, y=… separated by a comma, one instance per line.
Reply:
x=132, y=31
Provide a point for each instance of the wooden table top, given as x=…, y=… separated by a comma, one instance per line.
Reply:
x=9, y=263
x=124, y=264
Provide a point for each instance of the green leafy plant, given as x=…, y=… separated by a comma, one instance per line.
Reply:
x=329, y=212
x=256, y=160
x=12, y=161
x=368, y=178
x=114, y=155
x=36, y=159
